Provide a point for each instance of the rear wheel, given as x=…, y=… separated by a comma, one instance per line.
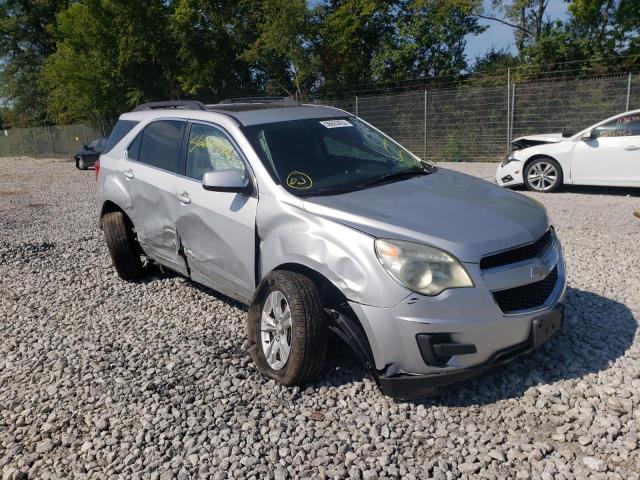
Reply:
x=543, y=175
x=287, y=328
x=122, y=245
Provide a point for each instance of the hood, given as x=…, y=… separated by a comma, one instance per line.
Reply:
x=463, y=215
x=531, y=140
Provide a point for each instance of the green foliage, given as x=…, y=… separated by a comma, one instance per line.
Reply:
x=210, y=38
x=64, y=60
x=110, y=55
x=282, y=50
x=350, y=36
x=25, y=41
x=429, y=41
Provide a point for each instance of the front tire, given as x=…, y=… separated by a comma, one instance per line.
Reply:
x=287, y=328
x=543, y=174
x=122, y=246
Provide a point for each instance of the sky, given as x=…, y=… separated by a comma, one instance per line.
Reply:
x=501, y=36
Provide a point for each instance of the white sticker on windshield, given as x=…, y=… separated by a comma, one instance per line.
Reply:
x=336, y=123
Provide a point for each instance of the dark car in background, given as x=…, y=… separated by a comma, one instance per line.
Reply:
x=90, y=152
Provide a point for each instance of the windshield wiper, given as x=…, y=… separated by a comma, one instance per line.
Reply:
x=327, y=191
x=411, y=172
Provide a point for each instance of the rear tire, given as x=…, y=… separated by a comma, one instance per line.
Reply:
x=304, y=340
x=122, y=246
x=543, y=175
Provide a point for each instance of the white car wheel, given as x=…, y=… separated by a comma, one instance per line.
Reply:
x=543, y=175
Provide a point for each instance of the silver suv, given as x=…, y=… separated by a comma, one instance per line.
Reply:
x=319, y=222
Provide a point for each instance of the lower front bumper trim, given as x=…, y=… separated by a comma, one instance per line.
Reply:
x=411, y=387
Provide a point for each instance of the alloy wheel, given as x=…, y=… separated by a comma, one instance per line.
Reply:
x=542, y=176
x=275, y=330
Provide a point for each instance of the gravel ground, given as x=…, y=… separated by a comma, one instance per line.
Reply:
x=105, y=379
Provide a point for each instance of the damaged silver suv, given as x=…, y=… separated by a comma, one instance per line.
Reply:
x=319, y=222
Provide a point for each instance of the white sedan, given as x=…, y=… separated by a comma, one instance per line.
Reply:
x=607, y=153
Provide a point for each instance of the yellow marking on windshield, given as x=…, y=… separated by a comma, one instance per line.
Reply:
x=299, y=180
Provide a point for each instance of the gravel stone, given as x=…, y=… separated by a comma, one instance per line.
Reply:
x=101, y=378
x=45, y=446
x=594, y=464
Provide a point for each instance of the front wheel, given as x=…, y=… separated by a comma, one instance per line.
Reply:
x=543, y=175
x=287, y=328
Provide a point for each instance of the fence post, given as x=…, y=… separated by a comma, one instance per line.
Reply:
x=356, y=105
x=84, y=132
x=628, y=92
x=21, y=141
x=513, y=110
x=425, y=126
x=50, y=142
x=508, y=108
x=66, y=139
x=35, y=141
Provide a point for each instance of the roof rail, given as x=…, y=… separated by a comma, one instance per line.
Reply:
x=264, y=99
x=177, y=104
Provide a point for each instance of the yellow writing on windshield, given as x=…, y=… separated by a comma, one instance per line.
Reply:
x=299, y=180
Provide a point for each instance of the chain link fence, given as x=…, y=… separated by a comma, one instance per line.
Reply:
x=461, y=123
x=51, y=141
x=477, y=123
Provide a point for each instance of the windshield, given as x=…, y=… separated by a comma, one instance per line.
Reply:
x=335, y=155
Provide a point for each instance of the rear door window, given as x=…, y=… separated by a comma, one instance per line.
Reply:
x=160, y=145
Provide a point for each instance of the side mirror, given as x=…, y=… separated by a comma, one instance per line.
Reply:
x=226, y=181
x=588, y=135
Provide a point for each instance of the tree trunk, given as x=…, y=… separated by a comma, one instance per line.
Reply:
x=539, y=18
x=603, y=23
x=523, y=25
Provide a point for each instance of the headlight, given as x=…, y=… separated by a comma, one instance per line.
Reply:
x=421, y=268
x=510, y=158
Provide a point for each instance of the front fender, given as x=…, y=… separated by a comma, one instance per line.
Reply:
x=345, y=256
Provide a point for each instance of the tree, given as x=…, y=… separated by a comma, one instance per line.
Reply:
x=526, y=17
x=25, y=42
x=281, y=52
x=428, y=40
x=350, y=35
x=211, y=38
x=110, y=56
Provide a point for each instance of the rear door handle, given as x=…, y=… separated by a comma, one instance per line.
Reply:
x=128, y=173
x=184, y=197
x=631, y=148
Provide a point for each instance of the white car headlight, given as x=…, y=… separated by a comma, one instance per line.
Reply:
x=421, y=268
x=510, y=158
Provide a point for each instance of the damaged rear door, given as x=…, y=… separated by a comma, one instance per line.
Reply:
x=216, y=229
x=150, y=174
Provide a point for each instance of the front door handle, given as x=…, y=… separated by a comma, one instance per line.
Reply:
x=184, y=197
x=128, y=173
x=631, y=148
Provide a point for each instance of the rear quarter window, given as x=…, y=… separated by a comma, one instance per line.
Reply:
x=121, y=128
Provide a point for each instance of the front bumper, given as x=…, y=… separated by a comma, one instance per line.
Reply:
x=511, y=174
x=420, y=386
x=468, y=321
